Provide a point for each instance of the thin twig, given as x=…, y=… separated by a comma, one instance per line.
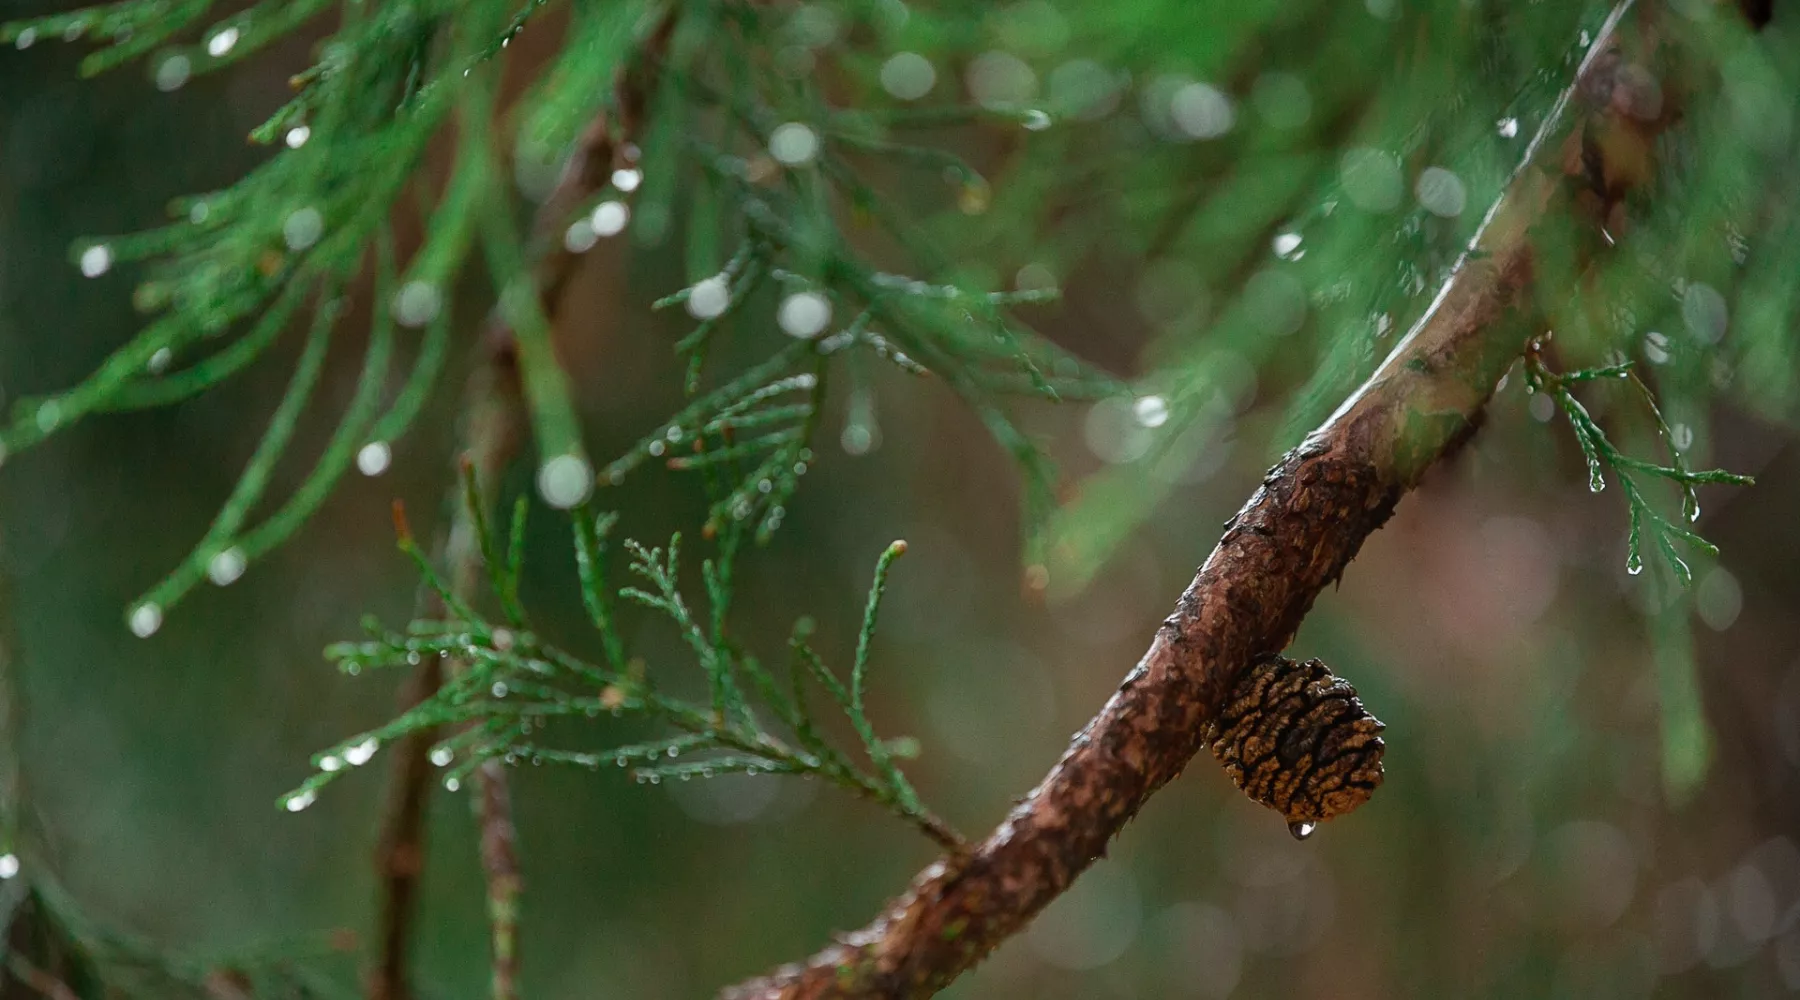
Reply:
x=1293, y=537
x=493, y=424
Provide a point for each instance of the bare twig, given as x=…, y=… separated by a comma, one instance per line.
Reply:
x=1293, y=537
x=493, y=424
x=400, y=856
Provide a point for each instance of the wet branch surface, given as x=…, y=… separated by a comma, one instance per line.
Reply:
x=1292, y=538
x=493, y=427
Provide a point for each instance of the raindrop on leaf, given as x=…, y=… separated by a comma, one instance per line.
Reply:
x=226, y=567
x=374, y=458
x=565, y=481
x=709, y=297
x=362, y=753
x=96, y=260
x=221, y=43
x=145, y=620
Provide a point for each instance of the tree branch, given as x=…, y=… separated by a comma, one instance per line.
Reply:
x=1294, y=536
x=494, y=423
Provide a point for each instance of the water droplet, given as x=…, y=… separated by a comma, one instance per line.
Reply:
x=145, y=620
x=908, y=76
x=1681, y=436
x=1656, y=348
x=1704, y=311
x=674, y=751
x=221, y=42
x=96, y=260
x=708, y=297
x=1507, y=127
x=627, y=179
x=1285, y=244
x=764, y=486
x=173, y=72
x=1302, y=830
x=297, y=136
x=657, y=448
x=1201, y=111
x=417, y=303
x=26, y=39
x=1036, y=120
x=362, y=753
x=159, y=362
x=609, y=218
x=857, y=439
x=1151, y=411
x=451, y=784
x=793, y=144
x=296, y=803
x=227, y=566
x=1441, y=192
x=303, y=228
x=1634, y=563
x=499, y=689
x=1542, y=408
x=49, y=415
x=804, y=314
x=1371, y=179
x=330, y=763
x=374, y=458
x=9, y=865
x=580, y=236
x=565, y=481
x=656, y=779
x=1000, y=80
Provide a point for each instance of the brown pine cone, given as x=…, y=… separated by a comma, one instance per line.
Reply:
x=1295, y=738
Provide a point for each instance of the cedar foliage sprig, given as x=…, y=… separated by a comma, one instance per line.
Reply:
x=513, y=683
x=235, y=267
x=1602, y=456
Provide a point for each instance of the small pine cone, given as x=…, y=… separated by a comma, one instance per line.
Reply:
x=1295, y=738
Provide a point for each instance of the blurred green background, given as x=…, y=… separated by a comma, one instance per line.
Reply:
x=1523, y=846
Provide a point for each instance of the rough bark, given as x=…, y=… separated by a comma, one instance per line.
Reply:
x=1295, y=536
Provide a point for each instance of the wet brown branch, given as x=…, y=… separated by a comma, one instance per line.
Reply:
x=493, y=425
x=1294, y=536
